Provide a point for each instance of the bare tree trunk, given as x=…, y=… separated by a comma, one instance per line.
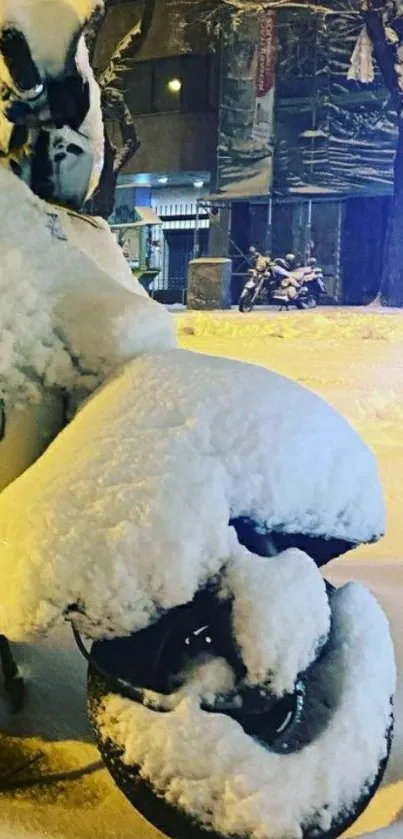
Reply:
x=114, y=107
x=392, y=278
x=391, y=282
x=102, y=201
x=115, y=110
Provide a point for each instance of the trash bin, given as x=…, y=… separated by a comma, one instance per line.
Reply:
x=209, y=283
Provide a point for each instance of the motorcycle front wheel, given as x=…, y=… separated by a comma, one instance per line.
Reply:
x=247, y=299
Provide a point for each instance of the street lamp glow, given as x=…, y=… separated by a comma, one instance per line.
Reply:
x=175, y=85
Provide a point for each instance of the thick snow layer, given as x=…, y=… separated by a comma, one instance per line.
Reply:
x=281, y=615
x=281, y=619
x=55, y=720
x=353, y=359
x=93, y=125
x=128, y=512
x=49, y=27
x=362, y=65
x=204, y=763
x=350, y=357
x=330, y=327
x=385, y=580
x=205, y=679
x=71, y=310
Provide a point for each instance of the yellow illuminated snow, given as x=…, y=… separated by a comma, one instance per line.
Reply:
x=352, y=358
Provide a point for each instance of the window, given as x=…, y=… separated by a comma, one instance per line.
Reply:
x=139, y=90
x=181, y=83
x=195, y=90
x=166, y=71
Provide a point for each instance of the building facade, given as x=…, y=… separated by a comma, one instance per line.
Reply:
x=264, y=141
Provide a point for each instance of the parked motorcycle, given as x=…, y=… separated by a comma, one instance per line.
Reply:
x=256, y=283
x=264, y=276
x=302, y=287
x=284, y=283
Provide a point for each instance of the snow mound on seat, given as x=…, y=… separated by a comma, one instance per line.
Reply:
x=127, y=513
x=71, y=310
x=280, y=615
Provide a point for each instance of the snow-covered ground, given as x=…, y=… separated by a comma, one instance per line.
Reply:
x=353, y=358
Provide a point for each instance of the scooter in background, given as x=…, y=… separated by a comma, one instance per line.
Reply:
x=302, y=287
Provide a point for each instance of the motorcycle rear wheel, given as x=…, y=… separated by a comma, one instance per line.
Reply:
x=306, y=303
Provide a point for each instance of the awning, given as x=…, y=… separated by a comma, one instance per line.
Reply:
x=143, y=217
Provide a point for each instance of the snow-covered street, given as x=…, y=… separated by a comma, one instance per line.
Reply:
x=352, y=358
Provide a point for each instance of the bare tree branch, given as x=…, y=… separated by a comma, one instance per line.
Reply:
x=92, y=30
x=128, y=47
x=114, y=107
x=122, y=58
x=384, y=54
x=235, y=10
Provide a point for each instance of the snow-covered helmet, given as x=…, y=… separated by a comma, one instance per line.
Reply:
x=290, y=260
x=46, y=88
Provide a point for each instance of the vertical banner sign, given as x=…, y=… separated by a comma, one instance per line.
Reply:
x=263, y=128
x=246, y=119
